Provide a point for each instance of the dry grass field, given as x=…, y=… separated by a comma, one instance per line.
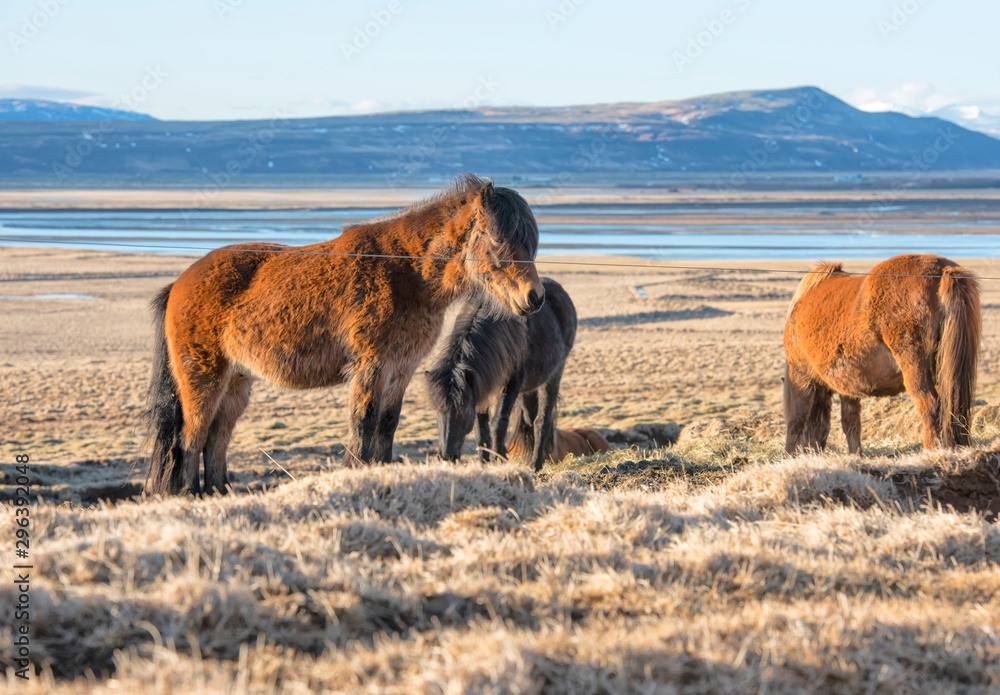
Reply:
x=694, y=558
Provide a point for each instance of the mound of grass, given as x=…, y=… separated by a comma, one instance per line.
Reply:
x=714, y=565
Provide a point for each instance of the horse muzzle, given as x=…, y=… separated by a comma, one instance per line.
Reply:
x=533, y=303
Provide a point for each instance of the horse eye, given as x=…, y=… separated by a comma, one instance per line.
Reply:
x=491, y=232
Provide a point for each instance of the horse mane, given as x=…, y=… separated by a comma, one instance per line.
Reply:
x=818, y=274
x=482, y=346
x=513, y=219
x=455, y=194
x=511, y=213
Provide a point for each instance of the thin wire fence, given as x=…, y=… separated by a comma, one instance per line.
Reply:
x=650, y=265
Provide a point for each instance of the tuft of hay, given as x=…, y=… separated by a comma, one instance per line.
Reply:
x=771, y=573
x=986, y=422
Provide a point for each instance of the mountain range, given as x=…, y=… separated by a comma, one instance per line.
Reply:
x=41, y=110
x=738, y=133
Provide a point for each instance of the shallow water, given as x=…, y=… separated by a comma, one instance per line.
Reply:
x=47, y=296
x=195, y=232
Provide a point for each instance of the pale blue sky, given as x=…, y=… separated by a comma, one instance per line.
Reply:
x=250, y=58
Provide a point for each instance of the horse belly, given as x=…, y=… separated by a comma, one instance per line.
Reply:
x=873, y=372
x=293, y=364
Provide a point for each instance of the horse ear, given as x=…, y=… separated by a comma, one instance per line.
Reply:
x=486, y=193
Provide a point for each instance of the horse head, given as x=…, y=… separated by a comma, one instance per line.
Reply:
x=500, y=252
x=456, y=411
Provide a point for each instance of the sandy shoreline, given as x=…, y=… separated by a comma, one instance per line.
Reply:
x=333, y=198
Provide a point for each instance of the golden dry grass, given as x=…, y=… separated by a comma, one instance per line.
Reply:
x=713, y=565
x=820, y=573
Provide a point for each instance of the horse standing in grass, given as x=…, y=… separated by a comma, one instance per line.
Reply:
x=491, y=360
x=364, y=308
x=913, y=323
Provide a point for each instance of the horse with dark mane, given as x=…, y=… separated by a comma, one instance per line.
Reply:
x=491, y=360
x=365, y=308
x=913, y=323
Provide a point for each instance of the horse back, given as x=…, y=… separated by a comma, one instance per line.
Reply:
x=203, y=294
x=595, y=441
x=826, y=303
x=823, y=321
x=578, y=441
x=281, y=312
x=848, y=331
x=905, y=288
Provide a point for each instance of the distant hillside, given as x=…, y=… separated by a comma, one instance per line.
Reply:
x=803, y=129
x=38, y=110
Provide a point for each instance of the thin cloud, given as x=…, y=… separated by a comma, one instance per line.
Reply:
x=978, y=111
x=27, y=91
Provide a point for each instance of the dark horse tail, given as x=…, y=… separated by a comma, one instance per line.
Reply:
x=163, y=411
x=958, y=353
x=521, y=438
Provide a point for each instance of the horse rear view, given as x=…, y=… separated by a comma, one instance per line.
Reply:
x=912, y=324
x=489, y=362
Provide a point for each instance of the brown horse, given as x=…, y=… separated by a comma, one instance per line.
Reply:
x=364, y=308
x=576, y=441
x=913, y=323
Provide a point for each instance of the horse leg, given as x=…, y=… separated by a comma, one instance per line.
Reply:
x=483, y=442
x=818, y=422
x=850, y=420
x=526, y=422
x=200, y=394
x=385, y=431
x=501, y=419
x=545, y=420
x=918, y=378
x=231, y=407
x=798, y=406
x=366, y=413
x=388, y=419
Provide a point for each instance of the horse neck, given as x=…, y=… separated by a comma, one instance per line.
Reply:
x=439, y=233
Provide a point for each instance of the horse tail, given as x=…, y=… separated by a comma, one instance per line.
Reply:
x=163, y=410
x=958, y=353
x=520, y=437
x=518, y=444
